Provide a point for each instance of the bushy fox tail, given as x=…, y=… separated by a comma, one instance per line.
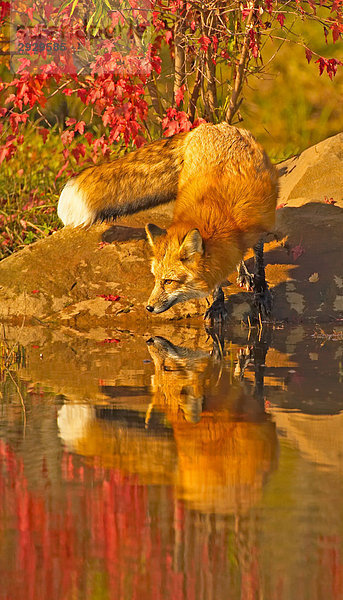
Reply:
x=142, y=179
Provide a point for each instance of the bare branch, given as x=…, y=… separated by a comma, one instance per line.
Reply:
x=195, y=93
x=241, y=69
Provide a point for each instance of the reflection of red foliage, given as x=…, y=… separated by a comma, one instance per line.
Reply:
x=94, y=532
x=331, y=583
x=100, y=517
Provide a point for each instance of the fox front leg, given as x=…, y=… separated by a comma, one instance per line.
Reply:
x=262, y=302
x=217, y=312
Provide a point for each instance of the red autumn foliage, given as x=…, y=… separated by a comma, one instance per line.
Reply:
x=112, y=69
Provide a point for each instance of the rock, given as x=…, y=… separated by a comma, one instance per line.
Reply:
x=316, y=174
x=62, y=278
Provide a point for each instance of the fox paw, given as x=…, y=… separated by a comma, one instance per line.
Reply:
x=216, y=313
x=246, y=280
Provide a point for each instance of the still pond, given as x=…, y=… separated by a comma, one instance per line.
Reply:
x=136, y=466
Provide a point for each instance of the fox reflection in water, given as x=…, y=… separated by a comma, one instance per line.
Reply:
x=205, y=430
x=226, y=443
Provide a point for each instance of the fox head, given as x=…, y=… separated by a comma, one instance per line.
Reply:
x=177, y=265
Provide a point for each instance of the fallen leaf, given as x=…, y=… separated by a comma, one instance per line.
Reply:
x=314, y=278
x=109, y=297
x=35, y=291
x=329, y=200
x=110, y=341
x=297, y=251
x=281, y=205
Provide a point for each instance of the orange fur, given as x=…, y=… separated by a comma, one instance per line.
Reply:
x=225, y=188
x=157, y=172
x=230, y=207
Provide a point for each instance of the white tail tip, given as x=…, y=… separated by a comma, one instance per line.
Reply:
x=72, y=207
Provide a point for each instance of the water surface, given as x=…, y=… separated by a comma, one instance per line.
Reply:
x=141, y=466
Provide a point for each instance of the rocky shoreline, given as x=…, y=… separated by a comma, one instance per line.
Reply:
x=66, y=278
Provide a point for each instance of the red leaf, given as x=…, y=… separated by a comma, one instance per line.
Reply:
x=35, y=291
x=281, y=205
x=44, y=133
x=89, y=137
x=67, y=137
x=337, y=30
x=109, y=297
x=204, y=42
x=308, y=54
x=297, y=251
x=329, y=200
x=169, y=37
x=80, y=127
x=179, y=95
x=139, y=141
x=110, y=341
x=322, y=64
x=281, y=19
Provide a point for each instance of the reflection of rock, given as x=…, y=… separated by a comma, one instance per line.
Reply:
x=305, y=264
x=319, y=438
x=82, y=368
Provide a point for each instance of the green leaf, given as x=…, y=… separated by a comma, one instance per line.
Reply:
x=75, y=3
x=29, y=238
x=90, y=21
x=98, y=16
x=65, y=5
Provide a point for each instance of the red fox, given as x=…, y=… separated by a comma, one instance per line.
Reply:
x=226, y=191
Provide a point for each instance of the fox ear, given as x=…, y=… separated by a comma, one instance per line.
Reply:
x=191, y=245
x=153, y=232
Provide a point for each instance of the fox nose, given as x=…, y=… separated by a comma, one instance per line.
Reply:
x=150, y=308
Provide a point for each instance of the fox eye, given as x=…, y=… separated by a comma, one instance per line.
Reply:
x=168, y=281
